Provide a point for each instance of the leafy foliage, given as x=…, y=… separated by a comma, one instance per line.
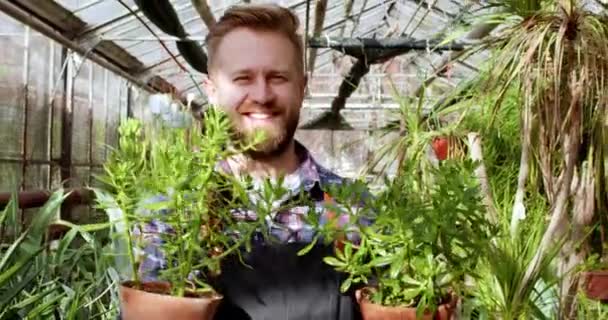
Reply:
x=167, y=176
x=425, y=239
x=61, y=279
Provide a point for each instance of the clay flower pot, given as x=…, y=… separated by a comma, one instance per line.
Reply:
x=372, y=311
x=595, y=284
x=152, y=302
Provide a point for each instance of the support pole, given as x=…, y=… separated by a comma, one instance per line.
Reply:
x=67, y=119
x=203, y=9
x=320, y=10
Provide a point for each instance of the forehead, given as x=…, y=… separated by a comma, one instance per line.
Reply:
x=247, y=49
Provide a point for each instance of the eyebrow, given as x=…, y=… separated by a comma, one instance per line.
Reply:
x=248, y=70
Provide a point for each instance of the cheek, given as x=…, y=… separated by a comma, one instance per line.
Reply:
x=229, y=95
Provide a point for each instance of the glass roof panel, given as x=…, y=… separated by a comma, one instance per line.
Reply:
x=110, y=20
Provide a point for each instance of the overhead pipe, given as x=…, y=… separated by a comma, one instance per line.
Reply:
x=37, y=198
x=358, y=46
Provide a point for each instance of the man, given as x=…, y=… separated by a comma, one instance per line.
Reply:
x=256, y=74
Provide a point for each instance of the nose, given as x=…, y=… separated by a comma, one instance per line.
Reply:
x=261, y=92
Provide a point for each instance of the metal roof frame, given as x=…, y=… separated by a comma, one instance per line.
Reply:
x=133, y=56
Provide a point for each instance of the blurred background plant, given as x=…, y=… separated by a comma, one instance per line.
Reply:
x=45, y=278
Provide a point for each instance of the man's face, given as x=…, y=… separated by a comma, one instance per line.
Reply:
x=255, y=77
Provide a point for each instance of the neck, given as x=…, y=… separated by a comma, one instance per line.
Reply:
x=272, y=167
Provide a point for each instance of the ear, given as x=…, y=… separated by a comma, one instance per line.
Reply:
x=210, y=90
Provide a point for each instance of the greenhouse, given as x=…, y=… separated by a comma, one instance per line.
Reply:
x=294, y=159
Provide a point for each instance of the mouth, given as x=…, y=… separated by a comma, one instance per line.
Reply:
x=260, y=116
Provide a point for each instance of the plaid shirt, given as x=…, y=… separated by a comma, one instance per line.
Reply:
x=286, y=226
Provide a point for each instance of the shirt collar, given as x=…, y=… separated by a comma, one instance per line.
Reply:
x=308, y=171
x=306, y=175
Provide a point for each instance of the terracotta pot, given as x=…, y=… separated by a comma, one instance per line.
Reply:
x=372, y=311
x=595, y=284
x=153, y=303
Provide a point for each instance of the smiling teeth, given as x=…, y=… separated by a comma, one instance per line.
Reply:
x=260, y=116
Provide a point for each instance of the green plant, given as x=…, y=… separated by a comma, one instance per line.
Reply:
x=591, y=309
x=553, y=56
x=501, y=290
x=170, y=181
x=66, y=278
x=417, y=129
x=425, y=238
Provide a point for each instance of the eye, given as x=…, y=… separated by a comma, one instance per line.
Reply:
x=241, y=79
x=277, y=78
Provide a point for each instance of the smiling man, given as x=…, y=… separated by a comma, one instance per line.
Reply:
x=256, y=74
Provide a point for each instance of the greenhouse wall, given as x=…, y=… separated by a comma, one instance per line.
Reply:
x=36, y=75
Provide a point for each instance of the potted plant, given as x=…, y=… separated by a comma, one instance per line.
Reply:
x=171, y=209
x=595, y=278
x=411, y=261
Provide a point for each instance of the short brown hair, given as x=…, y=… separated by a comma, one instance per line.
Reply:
x=260, y=17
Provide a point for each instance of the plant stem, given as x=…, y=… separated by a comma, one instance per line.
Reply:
x=131, y=254
x=183, y=265
x=519, y=209
x=480, y=172
x=557, y=225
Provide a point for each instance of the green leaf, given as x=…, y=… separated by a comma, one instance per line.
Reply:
x=411, y=293
x=10, y=209
x=64, y=243
x=309, y=247
x=14, y=246
x=346, y=284
x=39, y=226
x=382, y=261
x=45, y=307
x=7, y=274
x=13, y=291
x=32, y=299
x=396, y=268
x=334, y=262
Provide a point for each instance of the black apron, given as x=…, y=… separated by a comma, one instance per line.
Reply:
x=280, y=285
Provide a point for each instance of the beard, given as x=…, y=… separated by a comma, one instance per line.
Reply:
x=278, y=135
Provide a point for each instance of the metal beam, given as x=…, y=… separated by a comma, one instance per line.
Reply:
x=320, y=11
x=360, y=14
x=478, y=32
x=54, y=14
